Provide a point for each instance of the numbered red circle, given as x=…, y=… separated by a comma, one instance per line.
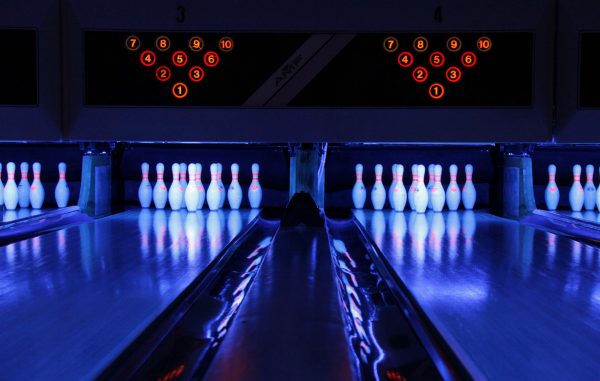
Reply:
x=179, y=58
x=196, y=73
x=132, y=43
x=148, y=58
x=453, y=74
x=226, y=44
x=163, y=73
x=163, y=43
x=196, y=44
x=468, y=59
x=179, y=90
x=420, y=74
x=437, y=59
x=405, y=59
x=436, y=91
x=211, y=59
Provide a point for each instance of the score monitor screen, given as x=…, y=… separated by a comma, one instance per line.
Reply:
x=589, y=75
x=475, y=69
x=18, y=84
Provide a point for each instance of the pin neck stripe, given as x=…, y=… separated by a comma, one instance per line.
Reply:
x=576, y=177
x=452, y=177
x=590, y=177
x=551, y=177
x=358, y=176
x=61, y=175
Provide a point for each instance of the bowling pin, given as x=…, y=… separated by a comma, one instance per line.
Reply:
x=413, y=186
x=420, y=197
x=159, y=193
x=399, y=192
x=255, y=190
x=221, y=185
x=36, y=191
x=61, y=191
x=392, y=185
x=1, y=188
x=175, y=190
x=551, y=195
x=469, y=194
x=453, y=191
x=378, y=191
x=213, y=196
x=24, y=186
x=145, y=189
x=182, y=175
x=576, y=191
x=11, y=193
x=437, y=190
x=191, y=191
x=430, y=184
x=597, y=195
x=234, y=193
x=589, y=191
x=201, y=191
x=359, y=192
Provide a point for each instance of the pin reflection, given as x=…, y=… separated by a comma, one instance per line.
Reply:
x=144, y=225
x=159, y=226
x=234, y=223
x=214, y=230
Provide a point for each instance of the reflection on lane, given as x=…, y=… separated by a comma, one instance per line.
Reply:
x=517, y=302
x=99, y=284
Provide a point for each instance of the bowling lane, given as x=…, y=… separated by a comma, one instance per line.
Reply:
x=514, y=302
x=73, y=299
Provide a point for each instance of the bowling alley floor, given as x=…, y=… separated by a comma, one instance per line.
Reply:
x=72, y=300
x=513, y=302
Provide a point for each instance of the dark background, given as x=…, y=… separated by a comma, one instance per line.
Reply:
x=18, y=67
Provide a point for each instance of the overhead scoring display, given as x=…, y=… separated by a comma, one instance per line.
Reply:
x=304, y=70
x=18, y=67
x=589, y=75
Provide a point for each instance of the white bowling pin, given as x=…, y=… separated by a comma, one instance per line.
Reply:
x=390, y=195
x=413, y=186
x=551, y=195
x=175, y=190
x=255, y=190
x=182, y=175
x=191, y=191
x=453, y=191
x=1, y=188
x=598, y=195
x=145, y=189
x=469, y=194
x=399, y=192
x=61, y=191
x=23, y=188
x=378, y=191
x=201, y=191
x=576, y=191
x=11, y=192
x=221, y=185
x=36, y=191
x=437, y=190
x=213, y=194
x=234, y=193
x=420, y=197
x=431, y=171
x=159, y=193
x=359, y=192
x=589, y=191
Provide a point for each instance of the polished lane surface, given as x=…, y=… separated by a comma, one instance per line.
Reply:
x=72, y=300
x=514, y=302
